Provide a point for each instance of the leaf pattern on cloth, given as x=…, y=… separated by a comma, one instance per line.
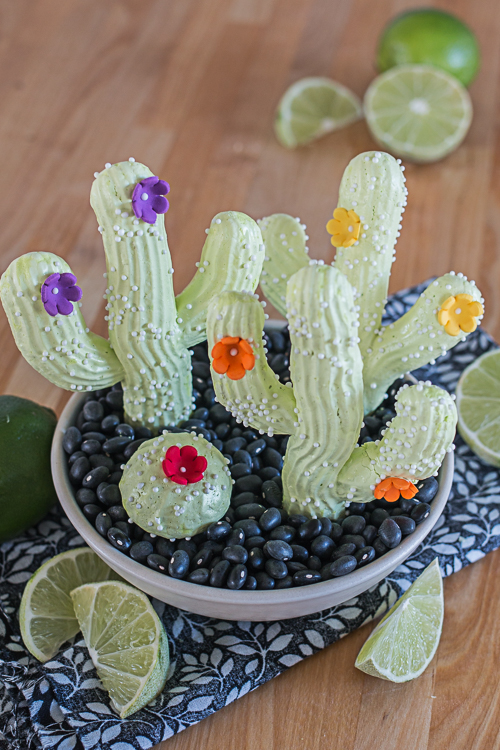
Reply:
x=62, y=705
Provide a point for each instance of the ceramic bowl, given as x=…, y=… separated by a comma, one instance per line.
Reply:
x=224, y=603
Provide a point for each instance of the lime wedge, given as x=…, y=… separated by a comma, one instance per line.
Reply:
x=46, y=615
x=478, y=406
x=404, y=642
x=313, y=107
x=418, y=112
x=126, y=642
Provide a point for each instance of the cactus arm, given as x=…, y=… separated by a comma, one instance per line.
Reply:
x=61, y=348
x=231, y=260
x=142, y=315
x=165, y=507
x=258, y=399
x=285, y=243
x=413, y=447
x=414, y=340
x=373, y=186
x=326, y=370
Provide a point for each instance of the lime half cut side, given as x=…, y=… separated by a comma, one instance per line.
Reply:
x=478, y=406
x=46, y=615
x=404, y=642
x=313, y=107
x=126, y=641
x=418, y=112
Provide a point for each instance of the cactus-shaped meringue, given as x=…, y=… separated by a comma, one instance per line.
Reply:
x=364, y=228
x=176, y=485
x=150, y=331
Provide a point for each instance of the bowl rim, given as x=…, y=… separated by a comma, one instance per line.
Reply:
x=373, y=572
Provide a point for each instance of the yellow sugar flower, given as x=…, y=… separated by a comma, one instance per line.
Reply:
x=459, y=314
x=344, y=227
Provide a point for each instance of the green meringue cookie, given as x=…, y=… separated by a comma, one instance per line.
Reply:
x=165, y=507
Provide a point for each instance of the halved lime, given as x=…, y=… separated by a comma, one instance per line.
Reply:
x=126, y=642
x=46, y=615
x=404, y=642
x=313, y=107
x=478, y=406
x=418, y=112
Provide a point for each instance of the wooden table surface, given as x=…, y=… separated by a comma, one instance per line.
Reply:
x=189, y=87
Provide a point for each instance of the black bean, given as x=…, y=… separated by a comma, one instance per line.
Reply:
x=89, y=427
x=202, y=413
x=264, y=581
x=250, y=510
x=115, y=444
x=356, y=509
x=294, y=565
x=268, y=473
x=202, y=558
x=84, y=497
x=117, y=513
x=164, y=547
x=218, y=414
x=278, y=549
x=234, y=444
x=369, y=533
x=337, y=531
x=200, y=576
x=91, y=511
x=79, y=469
x=115, y=477
x=249, y=526
x=285, y=533
x=236, y=536
x=296, y=520
x=75, y=456
x=251, y=583
x=131, y=448
x=103, y=523
x=270, y=519
x=276, y=569
x=222, y=430
x=379, y=547
x=420, y=512
x=353, y=524
x=257, y=447
x=158, y=563
x=94, y=478
x=344, y=549
x=90, y=447
x=364, y=555
x=93, y=411
x=237, y=577
x=427, y=490
x=244, y=498
x=314, y=563
x=72, y=439
x=124, y=526
x=240, y=470
x=256, y=558
x=356, y=539
x=326, y=526
x=192, y=424
x=100, y=460
x=271, y=457
x=115, y=399
x=407, y=505
x=143, y=432
x=119, y=539
x=378, y=516
x=235, y=554
x=284, y=583
x=322, y=546
x=272, y=494
x=140, y=551
x=254, y=541
x=109, y=494
x=304, y=577
x=252, y=483
x=300, y=553
x=220, y=573
x=188, y=546
x=395, y=512
x=178, y=565
x=309, y=530
x=407, y=525
x=242, y=457
x=325, y=572
x=218, y=530
x=109, y=423
x=343, y=565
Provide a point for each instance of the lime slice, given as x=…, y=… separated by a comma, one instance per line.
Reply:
x=432, y=37
x=46, y=614
x=478, y=406
x=126, y=642
x=404, y=642
x=418, y=112
x=313, y=107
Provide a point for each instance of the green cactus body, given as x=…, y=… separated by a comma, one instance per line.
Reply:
x=373, y=186
x=285, y=240
x=413, y=446
x=258, y=400
x=164, y=507
x=326, y=371
x=414, y=340
x=60, y=348
x=149, y=334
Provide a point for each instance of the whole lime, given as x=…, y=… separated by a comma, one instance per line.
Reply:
x=26, y=488
x=432, y=37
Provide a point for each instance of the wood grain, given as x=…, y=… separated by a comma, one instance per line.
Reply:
x=189, y=87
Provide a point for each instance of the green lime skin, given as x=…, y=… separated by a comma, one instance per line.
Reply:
x=26, y=488
x=430, y=37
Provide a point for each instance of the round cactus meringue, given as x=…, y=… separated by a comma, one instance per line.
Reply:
x=176, y=485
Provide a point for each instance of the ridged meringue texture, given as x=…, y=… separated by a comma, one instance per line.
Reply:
x=150, y=331
x=342, y=359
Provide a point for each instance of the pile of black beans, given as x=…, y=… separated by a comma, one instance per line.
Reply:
x=257, y=545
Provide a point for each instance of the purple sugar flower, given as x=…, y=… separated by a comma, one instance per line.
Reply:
x=59, y=291
x=148, y=199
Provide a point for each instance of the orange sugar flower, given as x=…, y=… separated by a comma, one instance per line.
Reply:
x=344, y=227
x=233, y=356
x=459, y=314
x=392, y=487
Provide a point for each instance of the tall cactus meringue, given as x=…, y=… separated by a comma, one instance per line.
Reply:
x=342, y=359
x=150, y=331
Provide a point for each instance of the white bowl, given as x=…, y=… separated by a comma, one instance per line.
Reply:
x=224, y=603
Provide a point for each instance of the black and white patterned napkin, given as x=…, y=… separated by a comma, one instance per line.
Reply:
x=62, y=705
